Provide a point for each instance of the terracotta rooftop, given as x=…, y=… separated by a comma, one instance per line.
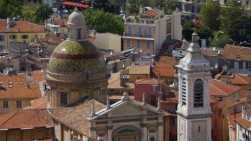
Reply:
x=75, y=117
x=165, y=67
x=239, y=79
x=220, y=88
x=151, y=13
x=233, y=52
x=25, y=119
x=147, y=81
x=21, y=27
x=17, y=86
x=243, y=122
x=39, y=103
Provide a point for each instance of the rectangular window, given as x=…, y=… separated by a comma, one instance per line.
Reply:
x=240, y=64
x=148, y=44
x=1, y=38
x=140, y=32
x=129, y=32
x=138, y=43
x=25, y=37
x=128, y=43
x=12, y=37
x=5, y=104
x=63, y=99
x=19, y=104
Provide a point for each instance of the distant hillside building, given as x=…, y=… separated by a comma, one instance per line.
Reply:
x=147, y=33
x=19, y=31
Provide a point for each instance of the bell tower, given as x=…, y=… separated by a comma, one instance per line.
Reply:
x=193, y=111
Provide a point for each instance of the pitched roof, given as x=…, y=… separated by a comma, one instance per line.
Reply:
x=243, y=122
x=17, y=86
x=239, y=79
x=75, y=117
x=165, y=67
x=139, y=69
x=150, y=13
x=21, y=27
x=25, y=119
x=237, y=52
x=148, y=81
x=219, y=88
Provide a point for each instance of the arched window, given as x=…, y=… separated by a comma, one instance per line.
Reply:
x=198, y=93
x=79, y=36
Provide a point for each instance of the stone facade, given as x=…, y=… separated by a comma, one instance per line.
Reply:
x=194, y=111
x=128, y=120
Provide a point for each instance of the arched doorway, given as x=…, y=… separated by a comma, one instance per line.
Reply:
x=126, y=133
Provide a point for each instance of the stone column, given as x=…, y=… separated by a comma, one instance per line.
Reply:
x=109, y=131
x=160, y=129
x=144, y=136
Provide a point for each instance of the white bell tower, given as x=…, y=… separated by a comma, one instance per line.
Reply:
x=194, y=111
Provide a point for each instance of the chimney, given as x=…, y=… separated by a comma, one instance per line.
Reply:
x=8, y=23
x=144, y=97
x=108, y=106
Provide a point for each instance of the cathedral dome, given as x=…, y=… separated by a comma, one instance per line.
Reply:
x=76, y=62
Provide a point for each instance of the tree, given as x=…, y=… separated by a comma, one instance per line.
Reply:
x=188, y=30
x=29, y=12
x=220, y=39
x=230, y=16
x=10, y=8
x=210, y=14
x=43, y=12
x=104, y=22
x=112, y=6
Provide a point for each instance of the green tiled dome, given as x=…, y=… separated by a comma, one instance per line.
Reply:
x=72, y=56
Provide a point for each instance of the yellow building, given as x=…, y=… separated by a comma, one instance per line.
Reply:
x=17, y=91
x=19, y=31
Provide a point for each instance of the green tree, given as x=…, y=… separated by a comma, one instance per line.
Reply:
x=10, y=8
x=210, y=14
x=220, y=39
x=29, y=12
x=103, y=21
x=230, y=17
x=43, y=12
x=188, y=30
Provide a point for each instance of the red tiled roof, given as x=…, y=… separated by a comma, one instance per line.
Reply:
x=75, y=117
x=39, y=103
x=165, y=67
x=237, y=52
x=25, y=119
x=219, y=88
x=147, y=81
x=22, y=27
x=15, y=86
x=151, y=13
x=243, y=122
x=239, y=79
x=75, y=4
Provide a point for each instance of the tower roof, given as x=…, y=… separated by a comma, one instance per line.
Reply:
x=76, y=19
x=193, y=59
